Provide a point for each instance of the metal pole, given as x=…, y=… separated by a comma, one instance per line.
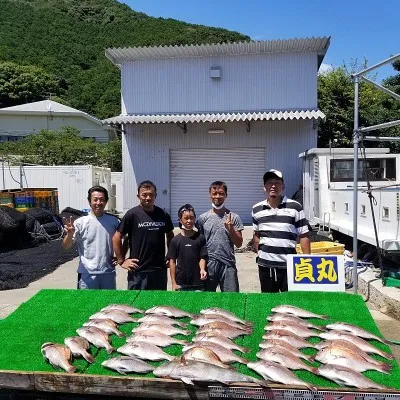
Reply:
x=369, y=69
x=355, y=183
x=4, y=177
x=21, y=185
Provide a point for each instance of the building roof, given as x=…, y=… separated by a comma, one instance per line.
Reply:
x=216, y=117
x=317, y=45
x=46, y=107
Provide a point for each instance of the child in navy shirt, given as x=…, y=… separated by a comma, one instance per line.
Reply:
x=187, y=254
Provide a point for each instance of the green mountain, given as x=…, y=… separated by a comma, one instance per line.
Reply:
x=67, y=38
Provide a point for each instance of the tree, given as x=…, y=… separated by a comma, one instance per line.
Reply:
x=336, y=100
x=63, y=147
x=26, y=83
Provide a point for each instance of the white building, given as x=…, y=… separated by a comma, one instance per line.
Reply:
x=195, y=114
x=19, y=121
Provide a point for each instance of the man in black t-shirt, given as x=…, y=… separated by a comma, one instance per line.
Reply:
x=147, y=227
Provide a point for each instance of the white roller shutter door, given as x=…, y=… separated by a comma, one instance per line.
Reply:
x=192, y=171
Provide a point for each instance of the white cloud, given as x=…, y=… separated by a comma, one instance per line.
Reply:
x=324, y=68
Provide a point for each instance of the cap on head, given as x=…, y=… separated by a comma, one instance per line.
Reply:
x=273, y=174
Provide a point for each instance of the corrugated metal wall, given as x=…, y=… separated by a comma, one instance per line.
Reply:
x=146, y=150
x=249, y=82
x=72, y=182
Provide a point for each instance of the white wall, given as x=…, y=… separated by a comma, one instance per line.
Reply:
x=72, y=182
x=248, y=82
x=146, y=150
x=22, y=125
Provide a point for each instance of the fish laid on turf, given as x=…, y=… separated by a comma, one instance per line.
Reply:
x=356, y=340
x=347, y=377
x=224, y=330
x=226, y=314
x=145, y=351
x=346, y=358
x=96, y=336
x=285, y=345
x=106, y=325
x=205, y=354
x=161, y=319
x=123, y=307
x=169, y=330
x=293, y=328
x=283, y=357
x=201, y=320
x=118, y=316
x=168, y=311
x=347, y=345
x=220, y=340
x=288, y=337
x=291, y=318
x=79, y=347
x=58, y=356
x=161, y=339
x=190, y=371
x=226, y=356
x=296, y=311
x=355, y=330
x=277, y=373
x=125, y=365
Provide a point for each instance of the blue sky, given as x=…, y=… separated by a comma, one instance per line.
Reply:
x=358, y=29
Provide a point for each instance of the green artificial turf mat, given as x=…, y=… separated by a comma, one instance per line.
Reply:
x=53, y=315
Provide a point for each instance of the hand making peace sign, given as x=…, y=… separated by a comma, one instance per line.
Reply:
x=69, y=228
x=228, y=221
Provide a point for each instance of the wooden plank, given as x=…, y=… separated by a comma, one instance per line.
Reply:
x=19, y=380
x=118, y=386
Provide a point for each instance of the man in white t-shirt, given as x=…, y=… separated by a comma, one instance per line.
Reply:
x=93, y=234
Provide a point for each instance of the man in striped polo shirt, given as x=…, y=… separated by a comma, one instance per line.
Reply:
x=277, y=222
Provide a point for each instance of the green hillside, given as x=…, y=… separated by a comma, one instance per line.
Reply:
x=67, y=38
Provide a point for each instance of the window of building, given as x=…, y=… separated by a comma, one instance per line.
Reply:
x=375, y=169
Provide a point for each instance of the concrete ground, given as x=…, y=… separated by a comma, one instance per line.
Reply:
x=65, y=277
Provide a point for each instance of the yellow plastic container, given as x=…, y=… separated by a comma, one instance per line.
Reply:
x=331, y=248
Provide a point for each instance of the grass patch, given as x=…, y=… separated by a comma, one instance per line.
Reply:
x=53, y=315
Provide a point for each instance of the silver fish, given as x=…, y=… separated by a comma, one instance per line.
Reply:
x=106, y=325
x=355, y=330
x=96, y=336
x=189, y=371
x=348, y=345
x=276, y=343
x=205, y=354
x=125, y=365
x=293, y=328
x=123, y=307
x=226, y=314
x=79, y=346
x=118, y=316
x=288, y=337
x=223, y=329
x=161, y=319
x=346, y=358
x=220, y=340
x=296, y=311
x=226, y=356
x=169, y=330
x=359, y=342
x=201, y=320
x=168, y=311
x=292, y=318
x=347, y=377
x=149, y=336
x=58, y=356
x=277, y=373
x=145, y=351
x=283, y=357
